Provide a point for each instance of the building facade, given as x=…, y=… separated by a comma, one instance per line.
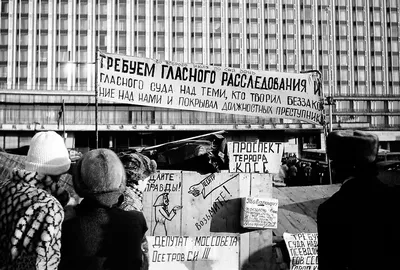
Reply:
x=48, y=48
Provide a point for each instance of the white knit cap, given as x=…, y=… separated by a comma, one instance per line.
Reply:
x=47, y=154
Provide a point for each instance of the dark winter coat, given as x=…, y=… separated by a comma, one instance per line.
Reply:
x=100, y=237
x=356, y=227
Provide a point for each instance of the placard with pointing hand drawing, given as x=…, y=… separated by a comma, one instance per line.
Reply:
x=162, y=203
x=188, y=205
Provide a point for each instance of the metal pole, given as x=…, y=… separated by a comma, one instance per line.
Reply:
x=329, y=98
x=63, y=119
x=96, y=101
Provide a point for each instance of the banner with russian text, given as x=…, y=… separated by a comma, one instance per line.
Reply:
x=183, y=86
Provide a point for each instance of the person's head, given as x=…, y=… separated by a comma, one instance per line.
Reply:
x=138, y=168
x=47, y=154
x=100, y=176
x=352, y=152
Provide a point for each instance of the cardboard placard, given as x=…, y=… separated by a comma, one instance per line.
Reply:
x=255, y=157
x=303, y=250
x=198, y=252
x=259, y=213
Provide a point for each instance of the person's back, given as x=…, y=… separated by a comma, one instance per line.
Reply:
x=31, y=209
x=102, y=236
x=356, y=225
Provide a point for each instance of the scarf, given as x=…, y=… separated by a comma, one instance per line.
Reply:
x=30, y=221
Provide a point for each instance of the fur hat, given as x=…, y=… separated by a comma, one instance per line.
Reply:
x=47, y=154
x=352, y=147
x=137, y=166
x=100, y=176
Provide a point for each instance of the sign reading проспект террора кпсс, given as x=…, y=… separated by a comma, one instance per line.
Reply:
x=149, y=82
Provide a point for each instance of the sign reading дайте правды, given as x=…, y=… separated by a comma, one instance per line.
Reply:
x=166, y=84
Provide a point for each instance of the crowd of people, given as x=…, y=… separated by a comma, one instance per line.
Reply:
x=42, y=227
x=295, y=172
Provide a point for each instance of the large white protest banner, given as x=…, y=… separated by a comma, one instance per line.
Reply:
x=303, y=250
x=255, y=157
x=183, y=86
x=194, y=252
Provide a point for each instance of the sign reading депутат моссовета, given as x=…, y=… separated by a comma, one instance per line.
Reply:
x=149, y=82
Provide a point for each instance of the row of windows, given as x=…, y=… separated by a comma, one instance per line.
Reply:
x=367, y=106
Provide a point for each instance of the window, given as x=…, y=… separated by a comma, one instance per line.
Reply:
x=103, y=23
x=360, y=45
x=235, y=11
x=198, y=11
x=342, y=15
x=393, y=16
x=360, y=106
x=121, y=24
x=308, y=44
x=377, y=16
x=63, y=23
x=141, y=26
x=83, y=8
x=377, y=76
x=23, y=56
x=44, y=22
x=160, y=26
x=359, y=30
x=343, y=60
x=235, y=27
x=378, y=121
x=395, y=46
x=235, y=58
x=272, y=28
x=24, y=23
x=24, y=7
x=83, y=23
x=343, y=30
x=343, y=45
x=377, y=45
x=44, y=7
x=360, y=15
x=63, y=7
x=307, y=29
x=343, y=75
x=270, y=13
x=23, y=39
x=360, y=75
x=377, y=30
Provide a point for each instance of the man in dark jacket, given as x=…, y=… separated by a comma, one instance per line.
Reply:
x=102, y=236
x=356, y=225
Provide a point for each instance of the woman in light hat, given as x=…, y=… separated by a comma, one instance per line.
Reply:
x=31, y=206
x=101, y=235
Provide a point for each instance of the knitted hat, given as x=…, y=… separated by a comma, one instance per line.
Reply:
x=100, y=176
x=47, y=154
x=352, y=147
x=137, y=166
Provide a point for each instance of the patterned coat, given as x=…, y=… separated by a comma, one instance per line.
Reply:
x=30, y=221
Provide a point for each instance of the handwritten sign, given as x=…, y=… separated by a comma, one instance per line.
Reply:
x=166, y=84
x=255, y=157
x=204, y=252
x=303, y=250
x=258, y=213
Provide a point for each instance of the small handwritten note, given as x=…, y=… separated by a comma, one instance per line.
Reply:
x=258, y=213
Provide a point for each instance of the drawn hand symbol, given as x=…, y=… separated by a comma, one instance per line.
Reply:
x=196, y=189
